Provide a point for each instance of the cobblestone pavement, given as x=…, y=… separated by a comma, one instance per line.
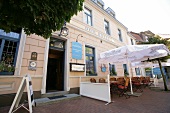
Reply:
x=150, y=101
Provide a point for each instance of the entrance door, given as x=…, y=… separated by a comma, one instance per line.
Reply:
x=55, y=73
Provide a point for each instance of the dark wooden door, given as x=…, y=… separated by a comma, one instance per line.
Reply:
x=55, y=73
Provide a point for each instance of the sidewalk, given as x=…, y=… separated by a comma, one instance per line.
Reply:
x=150, y=101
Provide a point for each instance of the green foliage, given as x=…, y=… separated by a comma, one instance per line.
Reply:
x=148, y=69
x=157, y=40
x=6, y=68
x=41, y=17
x=125, y=72
x=113, y=72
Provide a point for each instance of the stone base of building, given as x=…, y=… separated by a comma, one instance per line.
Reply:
x=7, y=99
x=75, y=90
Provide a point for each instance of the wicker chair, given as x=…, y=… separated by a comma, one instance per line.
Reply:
x=113, y=79
x=102, y=80
x=123, y=89
x=93, y=80
x=138, y=84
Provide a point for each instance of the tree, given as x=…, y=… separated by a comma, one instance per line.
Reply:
x=158, y=40
x=41, y=17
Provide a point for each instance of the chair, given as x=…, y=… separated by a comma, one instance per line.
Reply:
x=121, y=80
x=102, y=80
x=145, y=82
x=113, y=85
x=93, y=80
x=135, y=79
x=137, y=84
x=148, y=79
x=123, y=89
x=113, y=79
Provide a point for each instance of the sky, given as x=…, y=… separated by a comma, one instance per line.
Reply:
x=142, y=15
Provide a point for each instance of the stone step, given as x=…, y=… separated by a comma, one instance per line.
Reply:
x=51, y=94
x=48, y=100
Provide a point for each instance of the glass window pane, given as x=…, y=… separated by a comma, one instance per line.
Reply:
x=90, y=64
x=137, y=71
x=56, y=43
x=88, y=16
x=87, y=58
x=89, y=20
x=8, y=53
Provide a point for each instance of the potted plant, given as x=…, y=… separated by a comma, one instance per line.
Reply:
x=113, y=72
x=6, y=69
x=125, y=73
x=91, y=72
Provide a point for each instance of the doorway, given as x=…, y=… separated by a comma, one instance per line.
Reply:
x=55, y=71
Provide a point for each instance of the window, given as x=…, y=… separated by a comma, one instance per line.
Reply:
x=112, y=69
x=56, y=44
x=90, y=61
x=125, y=69
x=132, y=41
x=106, y=25
x=9, y=43
x=88, y=16
x=137, y=71
x=120, y=35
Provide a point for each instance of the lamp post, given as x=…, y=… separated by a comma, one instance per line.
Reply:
x=64, y=30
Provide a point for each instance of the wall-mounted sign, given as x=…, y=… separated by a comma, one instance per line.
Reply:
x=99, y=34
x=32, y=65
x=103, y=68
x=34, y=55
x=77, y=67
x=76, y=50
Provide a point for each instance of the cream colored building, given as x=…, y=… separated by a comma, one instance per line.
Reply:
x=96, y=29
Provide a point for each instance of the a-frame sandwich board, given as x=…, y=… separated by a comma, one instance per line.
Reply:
x=26, y=82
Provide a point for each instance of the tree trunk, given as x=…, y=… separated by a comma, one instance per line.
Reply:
x=164, y=80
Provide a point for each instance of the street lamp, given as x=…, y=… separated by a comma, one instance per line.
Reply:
x=64, y=30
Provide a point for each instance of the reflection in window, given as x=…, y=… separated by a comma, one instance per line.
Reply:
x=125, y=69
x=106, y=25
x=120, y=35
x=90, y=61
x=112, y=69
x=137, y=71
x=55, y=43
x=88, y=16
x=132, y=41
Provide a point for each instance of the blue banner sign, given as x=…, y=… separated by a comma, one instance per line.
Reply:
x=76, y=50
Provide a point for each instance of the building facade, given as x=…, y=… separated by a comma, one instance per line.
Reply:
x=58, y=63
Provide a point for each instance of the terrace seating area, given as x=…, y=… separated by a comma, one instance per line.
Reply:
x=120, y=85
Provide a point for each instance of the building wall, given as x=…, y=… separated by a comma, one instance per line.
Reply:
x=92, y=35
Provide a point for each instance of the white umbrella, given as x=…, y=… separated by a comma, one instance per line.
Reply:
x=133, y=53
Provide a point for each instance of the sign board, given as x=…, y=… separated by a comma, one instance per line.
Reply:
x=26, y=82
x=32, y=65
x=77, y=67
x=76, y=50
x=34, y=55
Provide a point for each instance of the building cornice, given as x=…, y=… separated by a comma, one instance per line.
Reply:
x=103, y=11
x=81, y=29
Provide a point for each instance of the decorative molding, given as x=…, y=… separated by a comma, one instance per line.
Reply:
x=6, y=86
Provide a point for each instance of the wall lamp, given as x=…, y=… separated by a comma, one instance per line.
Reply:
x=64, y=30
x=78, y=36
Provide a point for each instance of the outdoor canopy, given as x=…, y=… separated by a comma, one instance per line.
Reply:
x=134, y=53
